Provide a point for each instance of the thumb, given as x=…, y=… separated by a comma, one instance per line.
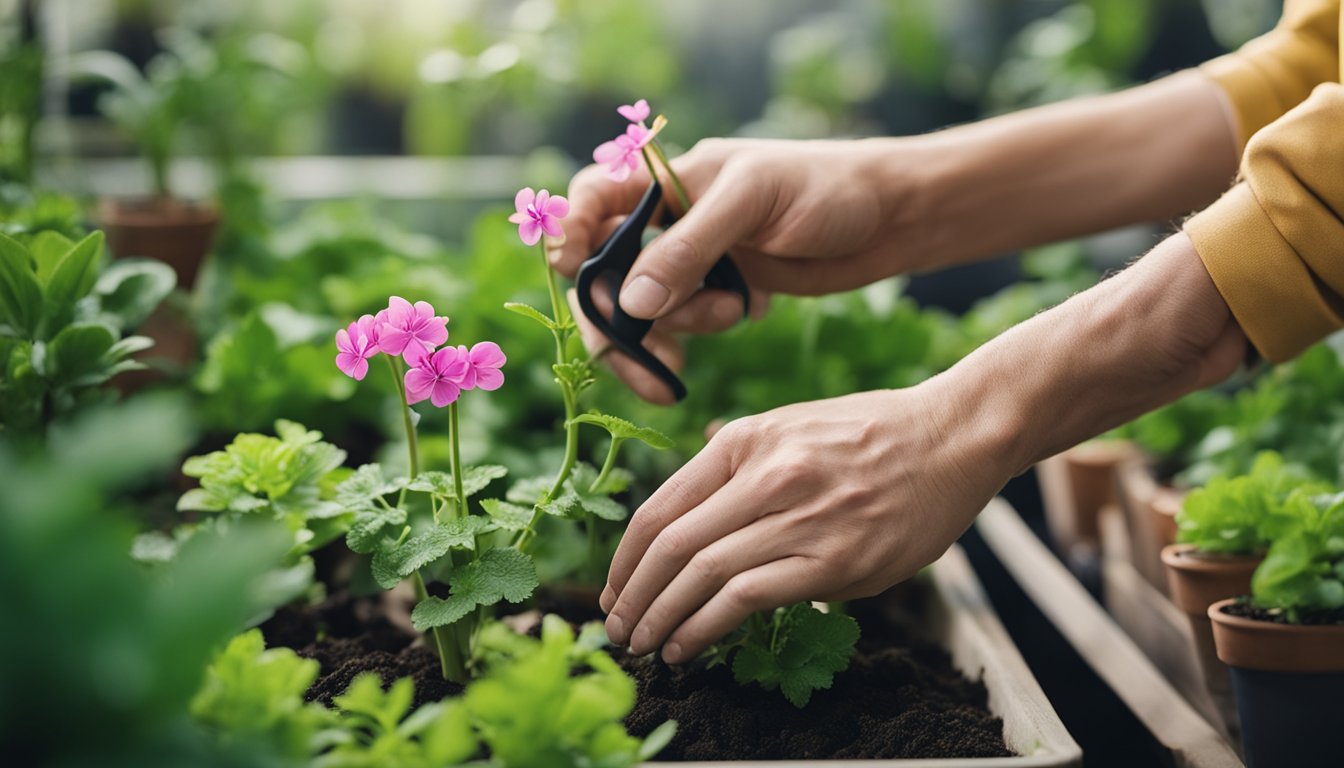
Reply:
x=673, y=267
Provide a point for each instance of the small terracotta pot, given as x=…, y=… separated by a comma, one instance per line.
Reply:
x=176, y=232
x=1075, y=485
x=1287, y=679
x=1150, y=515
x=1197, y=580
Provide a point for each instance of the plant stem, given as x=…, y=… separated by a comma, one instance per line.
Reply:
x=684, y=198
x=455, y=444
x=450, y=657
x=412, y=449
x=558, y=310
x=607, y=465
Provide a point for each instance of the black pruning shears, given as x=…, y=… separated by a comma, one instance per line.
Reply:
x=614, y=260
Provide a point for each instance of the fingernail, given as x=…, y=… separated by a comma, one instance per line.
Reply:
x=672, y=653
x=616, y=630
x=639, y=643
x=644, y=296
x=608, y=599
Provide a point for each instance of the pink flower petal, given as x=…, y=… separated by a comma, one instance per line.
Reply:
x=352, y=365
x=635, y=113
x=399, y=311
x=343, y=341
x=519, y=218
x=530, y=232
x=434, y=333
x=489, y=379
x=369, y=326
x=539, y=205
x=415, y=354
x=393, y=340
x=559, y=207
x=523, y=199
x=551, y=226
x=619, y=172
x=444, y=392
x=419, y=383
x=608, y=152
x=424, y=312
x=487, y=354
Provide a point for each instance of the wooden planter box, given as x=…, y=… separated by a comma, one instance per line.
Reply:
x=1104, y=646
x=965, y=623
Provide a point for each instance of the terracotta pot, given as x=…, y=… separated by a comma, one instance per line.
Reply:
x=1287, y=679
x=1197, y=580
x=1150, y=515
x=1075, y=485
x=176, y=232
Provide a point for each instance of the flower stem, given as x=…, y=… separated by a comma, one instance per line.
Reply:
x=412, y=448
x=558, y=309
x=450, y=658
x=607, y=465
x=455, y=445
x=682, y=197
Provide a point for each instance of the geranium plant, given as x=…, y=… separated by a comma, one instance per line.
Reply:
x=422, y=527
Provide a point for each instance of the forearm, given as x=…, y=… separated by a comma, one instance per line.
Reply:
x=1134, y=342
x=1069, y=169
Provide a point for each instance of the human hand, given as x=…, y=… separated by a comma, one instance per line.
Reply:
x=828, y=500
x=803, y=218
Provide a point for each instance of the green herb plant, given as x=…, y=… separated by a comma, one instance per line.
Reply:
x=66, y=319
x=1238, y=515
x=796, y=650
x=1303, y=573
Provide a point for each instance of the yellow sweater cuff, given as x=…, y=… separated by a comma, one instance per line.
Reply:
x=1270, y=291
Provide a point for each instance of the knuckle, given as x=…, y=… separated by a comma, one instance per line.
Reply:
x=706, y=565
x=744, y=592
x=670, y=544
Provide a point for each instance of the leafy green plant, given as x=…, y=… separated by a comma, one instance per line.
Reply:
x=558, y=701
x=291, y=478
x=378, y=728
x=1303, y=573
x=193, y=86
x=64, y=323
x=105, y=649
x=1238, y=515
x=252, y=699
x=795, y=650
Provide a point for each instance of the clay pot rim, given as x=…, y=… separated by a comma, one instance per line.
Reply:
x=1189, y=557
x=149, y=211
x=1311, y=638
x=1100, y=454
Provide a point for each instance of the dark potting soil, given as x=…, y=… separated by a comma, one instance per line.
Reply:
x=901, y=696
x=1324, y=617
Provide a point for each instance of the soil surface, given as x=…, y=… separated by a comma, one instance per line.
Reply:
x=1247, y=610
x=901, y=696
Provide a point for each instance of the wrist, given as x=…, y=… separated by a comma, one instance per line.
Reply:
x=1134, y=342
x=900, y=175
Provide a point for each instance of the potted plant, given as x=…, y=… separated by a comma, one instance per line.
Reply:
x=1223, y=534
x=1285, y=643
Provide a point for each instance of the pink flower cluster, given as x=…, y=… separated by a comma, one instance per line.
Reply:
x=621, y=155
x=414, y=332
x=538, y=212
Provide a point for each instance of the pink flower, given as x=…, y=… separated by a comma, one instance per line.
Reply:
x=537, y=213
x=635, y=113
x=621, y=155
x=484, y=361
x=403, y=324
x=437, y=377
x=354, y=346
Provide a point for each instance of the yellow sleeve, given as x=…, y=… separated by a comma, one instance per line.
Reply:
x=1273, y=73
x=1274, y=244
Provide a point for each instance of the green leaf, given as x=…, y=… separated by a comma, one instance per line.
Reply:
x=129, y=290
x=604, y=507
x=365, y=697
x=367, y=483
x=20, y=293
x=475, y=479
x=366, y=531
x=519, y=308
x=435, y=482
x=568, y=505
x=529, y=491
x=420, y=549
x=507, y=515
x=72, y=278
x=621, y=429
x=657, y=741
x=256, y=696
x=499, y=574
x=800, y=652
x=577, y=374
x=47, y=248
x=75, y=357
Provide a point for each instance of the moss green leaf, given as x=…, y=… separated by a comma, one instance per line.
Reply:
x=499, y=574
x=621, y=429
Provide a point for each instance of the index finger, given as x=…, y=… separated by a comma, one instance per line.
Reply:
x=594, y=199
